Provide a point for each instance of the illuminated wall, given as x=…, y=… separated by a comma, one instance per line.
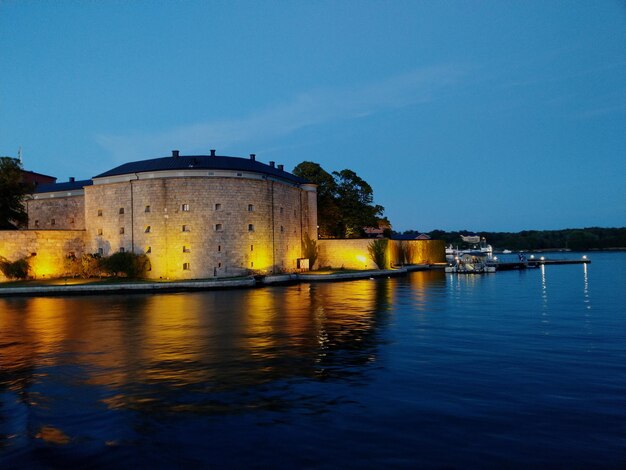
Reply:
x=46, y=250
x=354, y=254
x=194, y=226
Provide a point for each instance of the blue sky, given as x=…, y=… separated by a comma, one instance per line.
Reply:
x=478, y=115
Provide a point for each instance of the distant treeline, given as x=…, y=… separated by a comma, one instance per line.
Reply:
x=590, y=238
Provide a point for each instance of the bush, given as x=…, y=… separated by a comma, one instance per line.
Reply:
x=378, y=252
x=126, y=264
x=16, y=269
x=86, y=266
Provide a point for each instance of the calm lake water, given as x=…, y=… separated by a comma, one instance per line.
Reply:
x=514, y=370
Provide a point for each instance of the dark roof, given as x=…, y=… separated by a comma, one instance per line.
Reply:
x=66, y=186
x=202, y=162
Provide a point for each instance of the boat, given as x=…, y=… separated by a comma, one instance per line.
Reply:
x=471, y=262
x=506, y=252
x=479, y=244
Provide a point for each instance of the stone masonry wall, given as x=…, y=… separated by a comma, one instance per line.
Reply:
x=45, y=250
x=198, y=227
x=354, y=254
x=57, y=213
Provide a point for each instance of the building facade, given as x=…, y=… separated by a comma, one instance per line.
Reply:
x=193, y=216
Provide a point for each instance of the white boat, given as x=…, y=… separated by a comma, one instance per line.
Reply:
x=478, y=244
x=471, y=262
x=506, y=252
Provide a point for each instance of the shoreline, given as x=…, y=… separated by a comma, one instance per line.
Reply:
x=143, y=287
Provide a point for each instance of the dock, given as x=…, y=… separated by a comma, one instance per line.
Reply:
x=535, y=263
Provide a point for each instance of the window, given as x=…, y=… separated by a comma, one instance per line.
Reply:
x=186, y=228
x=99, y=231
x=218, y=207
x=71, y=220
x=147, y=209
x=219, y=227
x=184, y=208
x=250, y=227
x=251, y=247
x=239, y=174
x=282, y=210
x=122, y=250
x=282, y=229
x=99, y=212
x=148, y=229
x=186, y=267
x=219, y=265
x=186, y=249
x=121, y=210
x=252, y=264
x=100, y=251
x=149, y=249
x=36, y=223
x=219, y=247
x=121, y=230
x=53, y=222
x=250, y=208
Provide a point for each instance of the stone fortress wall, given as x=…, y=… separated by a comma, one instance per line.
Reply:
x=195, y=226
x=57, y=211
x=46, y=250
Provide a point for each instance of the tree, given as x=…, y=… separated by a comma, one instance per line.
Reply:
x=344, y=201
x=12, y=192
x=355, y=200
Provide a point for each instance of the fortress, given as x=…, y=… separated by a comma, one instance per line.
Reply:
x=193, y=216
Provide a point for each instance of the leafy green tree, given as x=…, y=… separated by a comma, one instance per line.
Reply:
x=355, y=200
x=12, y=192
x=344, y=201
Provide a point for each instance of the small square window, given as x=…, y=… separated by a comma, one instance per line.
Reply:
x=99, y=212
x=184, y=208
x=218, y=207
x=252, y=264
x=251, y=247
x=147, y=209
x=122, y=250
x=239, y=174
x=219, y=247
x=148, y=229
x=53, y=222
x=99, y=231
x=186, y=267
x=121, y=230
x=250, y=227
x=282, y=229
x=71, y=220
x=250, y=208
x=121, y=210
x=186, y=228
x=282, y=210
x=219, y=265
x=219, y=227
x=36, y=223
x=186, y=249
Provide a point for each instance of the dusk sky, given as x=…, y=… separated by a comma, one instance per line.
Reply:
x=477, y=115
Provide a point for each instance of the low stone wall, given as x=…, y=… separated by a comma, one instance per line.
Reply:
x=354, y=253
x=45, y=250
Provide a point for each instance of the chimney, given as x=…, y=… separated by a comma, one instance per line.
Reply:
x=72, y=179
x=281, y=167
x=175, y=153
x=272, y=164
x=212, y=152
x=253, y=157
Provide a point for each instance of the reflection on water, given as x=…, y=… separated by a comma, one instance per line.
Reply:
x=236, y=377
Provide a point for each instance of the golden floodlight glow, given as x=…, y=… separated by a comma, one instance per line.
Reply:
x=361, y=258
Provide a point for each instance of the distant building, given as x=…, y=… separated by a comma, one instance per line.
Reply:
x=410, y=236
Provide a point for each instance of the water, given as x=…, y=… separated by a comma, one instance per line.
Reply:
x=514, y=370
